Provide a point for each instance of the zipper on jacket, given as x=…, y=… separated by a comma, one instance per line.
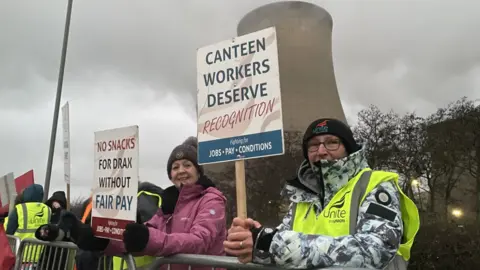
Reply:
x=308, y=210
x=315, y=209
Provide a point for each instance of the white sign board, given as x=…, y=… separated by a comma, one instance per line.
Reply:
x=115, y=187
x=66, y=142
x=239, y=99
x=7, y=188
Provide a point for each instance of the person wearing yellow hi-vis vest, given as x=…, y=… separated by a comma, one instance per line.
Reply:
x=149, y=202
x=18, y=200
x=342, y=214
x=149, y=199
x=27, y=217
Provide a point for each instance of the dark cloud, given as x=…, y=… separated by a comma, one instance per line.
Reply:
x=134, y=63
x=405, y=55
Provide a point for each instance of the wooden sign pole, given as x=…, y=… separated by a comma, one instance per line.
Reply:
x=241, y=188
x=68, y=197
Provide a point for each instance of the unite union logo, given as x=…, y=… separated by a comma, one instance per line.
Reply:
x=321, y=127
x=334, y=213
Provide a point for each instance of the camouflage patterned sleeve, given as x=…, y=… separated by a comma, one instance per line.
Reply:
x=374, y=245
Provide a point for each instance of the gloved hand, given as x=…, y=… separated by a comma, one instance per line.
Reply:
x=87, y=241
x=135, y=237
x=49, y=232
x=66, y=229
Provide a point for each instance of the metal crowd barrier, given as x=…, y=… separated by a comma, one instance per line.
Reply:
x=14, y=243
x=191, y=261
x=125, y=263
x=40, y=255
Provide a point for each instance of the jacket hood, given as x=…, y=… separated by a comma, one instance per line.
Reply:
x=18, y=199
x=33, y=193
x=319, y=182
x=58, y=196
x=147, y=186
x=147, y=205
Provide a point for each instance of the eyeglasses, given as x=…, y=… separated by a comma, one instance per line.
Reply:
x=330, y=145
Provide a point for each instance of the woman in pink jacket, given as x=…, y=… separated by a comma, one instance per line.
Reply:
x=191, y=219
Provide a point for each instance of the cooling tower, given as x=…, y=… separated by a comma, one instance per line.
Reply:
x=304, y=34
x=307, y=78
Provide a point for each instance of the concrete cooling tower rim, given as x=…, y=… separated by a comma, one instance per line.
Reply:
x=295, y=9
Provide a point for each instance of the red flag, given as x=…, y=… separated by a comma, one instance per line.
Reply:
x=7, y=258
x=24, y=181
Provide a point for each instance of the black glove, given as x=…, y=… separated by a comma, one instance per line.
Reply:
x=87, y=241
x=262, y=237
x=135, y=237
x=49, y=232
x=66, y=229
x=70, y=224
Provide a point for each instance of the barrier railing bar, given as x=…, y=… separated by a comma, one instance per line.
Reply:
x=207, y=260
x=14, y=243
x=219, y=262
x=26, y=246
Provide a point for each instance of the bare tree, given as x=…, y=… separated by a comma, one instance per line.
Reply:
x=407, y=156
x=464, y=123
x=435, y=164
x=391, y=142
x=414, y=147
x=447, y=151
x=377, y=132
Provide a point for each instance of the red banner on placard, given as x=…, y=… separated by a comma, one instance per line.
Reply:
x=24, y=181
x=109, y=228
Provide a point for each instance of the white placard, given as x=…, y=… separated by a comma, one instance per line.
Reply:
x=7, y=188
x=115, y=187
x=66, y=142
x=239, y=99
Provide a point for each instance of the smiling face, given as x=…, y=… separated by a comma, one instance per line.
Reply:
x=184, y=173
x=325, y=147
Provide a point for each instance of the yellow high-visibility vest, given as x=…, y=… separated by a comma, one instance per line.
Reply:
x=339, y=217
x=140, y=261
x=31, y=216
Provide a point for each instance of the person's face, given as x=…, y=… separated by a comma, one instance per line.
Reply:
x=56, y=204
x=325, y=147
x=184, y=173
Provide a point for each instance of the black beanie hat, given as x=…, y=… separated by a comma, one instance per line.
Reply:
x=333, y=127
x=186, y=150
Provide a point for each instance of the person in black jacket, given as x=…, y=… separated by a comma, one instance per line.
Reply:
x=58, y=203
x=147, y=207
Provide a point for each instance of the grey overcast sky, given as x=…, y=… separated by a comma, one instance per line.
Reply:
x=133, y=62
